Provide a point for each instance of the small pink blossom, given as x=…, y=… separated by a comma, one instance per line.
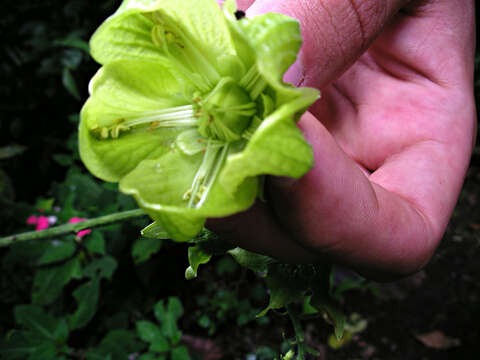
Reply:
x=81, y=233
x=32, y=220
x=41, y=222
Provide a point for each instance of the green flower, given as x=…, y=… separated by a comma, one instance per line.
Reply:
x=189, y=108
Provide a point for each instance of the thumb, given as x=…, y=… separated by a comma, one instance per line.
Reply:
x=335, y=33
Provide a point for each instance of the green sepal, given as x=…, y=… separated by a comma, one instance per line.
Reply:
x=196, y=257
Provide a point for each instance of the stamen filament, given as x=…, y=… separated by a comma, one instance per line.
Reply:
x=213, y=174
x=253, y=82
x=208, y=171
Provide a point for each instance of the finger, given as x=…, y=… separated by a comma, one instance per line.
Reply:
x=335, y=33
x=241, y=4
x=334, y=209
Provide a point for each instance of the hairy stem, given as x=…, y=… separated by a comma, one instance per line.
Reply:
x=72, y=228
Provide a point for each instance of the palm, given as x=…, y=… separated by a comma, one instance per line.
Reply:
x=383, y=103
x=403, y=113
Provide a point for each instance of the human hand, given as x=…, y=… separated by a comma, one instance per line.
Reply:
x=392, y=135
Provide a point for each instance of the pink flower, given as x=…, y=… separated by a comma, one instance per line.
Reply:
x=41, y=222
x=81, y=233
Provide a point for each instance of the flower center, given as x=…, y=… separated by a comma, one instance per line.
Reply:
x=226, y=112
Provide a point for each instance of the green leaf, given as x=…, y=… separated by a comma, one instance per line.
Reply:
x=118, y=345
x=47, y=350
x=33, y=317
x=283, y=291
x=144, y=248
x=63, y=159
x=103, y=267
x=17, y=346
x=152, y=334
x=155, y=231
x=251, y=260
x=335, y=316
x=196, y=257
x=168, y=318
x=49, y=282
x=57, y=251
x=86, y=296
x=70, y=84
x=11, y=150
x=180, y=353
x=121, y=90
x=95, y=243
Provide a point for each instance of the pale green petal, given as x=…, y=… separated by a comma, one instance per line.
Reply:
x=180, y=227
x=111, y=159
x=160, y=185
x=200, y=23
x=275, y=40
x=276, y=148
x=119, y=90
x=124, y=88
x=125, y=36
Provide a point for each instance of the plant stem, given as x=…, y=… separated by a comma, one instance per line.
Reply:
x=297, y=326
x=70, y=228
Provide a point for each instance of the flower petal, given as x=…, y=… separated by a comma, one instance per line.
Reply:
x=160, y=185
x=201, y=25
x=119, y=90
x=276, y=148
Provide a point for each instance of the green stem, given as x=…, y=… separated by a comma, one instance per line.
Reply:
x=71, y=228
x=297, y=326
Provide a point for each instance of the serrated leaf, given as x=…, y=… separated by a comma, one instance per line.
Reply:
x=196, y=257
x=103, y=267
x=144, y=248
x=86, y=296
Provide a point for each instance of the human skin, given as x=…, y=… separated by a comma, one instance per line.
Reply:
x=392, y=135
